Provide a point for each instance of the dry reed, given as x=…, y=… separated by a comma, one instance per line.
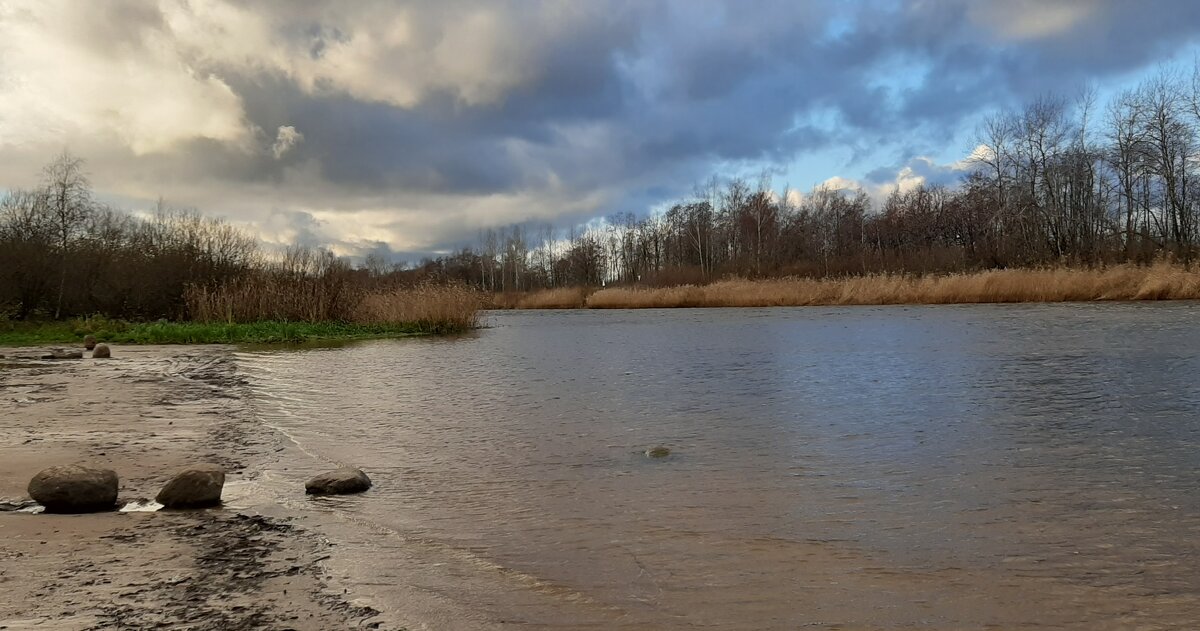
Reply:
x=429, y=308
x=432, y=308
x=557, y=298
x=1161, y=281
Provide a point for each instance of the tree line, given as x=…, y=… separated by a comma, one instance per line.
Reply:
x=65, y=254
x=1056, y=182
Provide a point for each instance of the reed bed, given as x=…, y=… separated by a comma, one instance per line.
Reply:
x=425, y=308
x=1161, y=281
x=558, y=298
x=433, y=309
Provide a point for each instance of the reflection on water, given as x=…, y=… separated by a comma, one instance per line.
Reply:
x=893, y=467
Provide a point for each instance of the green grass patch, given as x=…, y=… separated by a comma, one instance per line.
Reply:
x=120, y=332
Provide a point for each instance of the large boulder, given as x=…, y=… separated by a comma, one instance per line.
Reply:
x=194, y=487
x=74, y=489
x=101, y=352
x=338, y=482
x=89, y=342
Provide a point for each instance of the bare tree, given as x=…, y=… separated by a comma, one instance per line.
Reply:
x=68, y=196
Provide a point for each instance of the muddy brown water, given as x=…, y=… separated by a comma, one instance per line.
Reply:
x=946, y=467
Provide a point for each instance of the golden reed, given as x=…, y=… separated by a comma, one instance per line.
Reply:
x=431, y=308
x=1161, y=281
x=559, y=298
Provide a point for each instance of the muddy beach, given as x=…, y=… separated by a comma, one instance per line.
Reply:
x=144, y=414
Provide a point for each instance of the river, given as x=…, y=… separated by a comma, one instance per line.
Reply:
x=934, y=467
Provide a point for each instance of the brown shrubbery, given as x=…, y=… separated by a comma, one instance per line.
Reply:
x=1161, y=281
x=560, y=298
x=337, y=295
x=63, y=254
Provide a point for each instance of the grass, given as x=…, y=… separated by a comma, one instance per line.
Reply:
x=247, y=313
x=121, y=332
x=1161, y=281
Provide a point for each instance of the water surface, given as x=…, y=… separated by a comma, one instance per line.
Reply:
x=942, y=467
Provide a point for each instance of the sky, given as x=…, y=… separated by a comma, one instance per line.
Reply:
x=404, y=128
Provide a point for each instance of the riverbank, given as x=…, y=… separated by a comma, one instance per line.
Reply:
x=1162, y=281
x=144, y=415
x=121, y=332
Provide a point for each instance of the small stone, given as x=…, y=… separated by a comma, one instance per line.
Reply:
x=194, y=487
x=89, y=342
x=101, y=352
x=60, y=354
x=338, y=482
x=74, y=489
x=658, y=452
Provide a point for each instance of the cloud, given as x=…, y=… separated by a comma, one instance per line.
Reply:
x=1033, y=19
x=915, y=172
x=286, y=138
x=64, y=77
x=415, y=124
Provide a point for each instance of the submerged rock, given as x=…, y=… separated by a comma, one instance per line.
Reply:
x=338, y=482
x=74, y=489
x=60, y=354
x=101, y=352
x=658, y=452
x=89, y=342
x=194, y=487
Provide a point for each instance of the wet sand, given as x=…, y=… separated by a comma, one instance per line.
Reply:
x=144, y=414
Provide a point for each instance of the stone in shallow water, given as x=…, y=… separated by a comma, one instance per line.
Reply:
x=194, y=487
x=74, y=489
x=338, y=482
x=89, y=342
x=101, y=352
x=658, y=452
x=60, y=354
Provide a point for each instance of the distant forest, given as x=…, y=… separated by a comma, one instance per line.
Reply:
x=1059, y=182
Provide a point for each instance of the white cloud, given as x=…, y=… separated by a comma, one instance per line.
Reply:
x=839, y=183
x=286, y=138
x=62, y=78
x=378, y=51
x=980, y=153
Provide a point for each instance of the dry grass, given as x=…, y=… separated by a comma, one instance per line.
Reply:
x=429, y=308
x=435, y=309
x=1162, y=281
x=559, y=298
x=271, y=298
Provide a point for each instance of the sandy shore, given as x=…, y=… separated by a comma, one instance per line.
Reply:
x=145, y=413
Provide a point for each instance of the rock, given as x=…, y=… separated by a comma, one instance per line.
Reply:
x=101, y=352
x=338, y=482
x=658, y=452
x=89, y=342
x=60, y=354
x=7, y=506
x=193, y=487
x=74, y=489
